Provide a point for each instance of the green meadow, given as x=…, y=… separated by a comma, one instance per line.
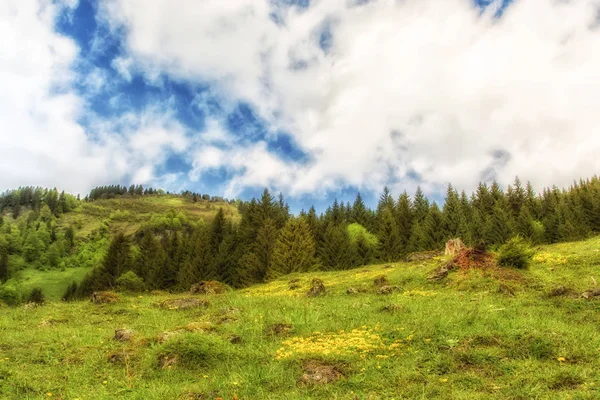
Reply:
x=493, y=333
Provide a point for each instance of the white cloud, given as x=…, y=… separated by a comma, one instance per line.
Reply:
x=41, y=142
x=454, y=84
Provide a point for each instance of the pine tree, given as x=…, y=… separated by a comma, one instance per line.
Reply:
x=258, y=261
x=198, y=266
x=387, y=234
x=295, y=250
x=359, y=212
x=116, y=262
x=420, y=206
x=225, y=262
x=336, y=250
x=403, y=222
x=363, y=250
x=150, y=264
x=217, y=230
x=497, y=226
x=430, y=233
x=454, y=220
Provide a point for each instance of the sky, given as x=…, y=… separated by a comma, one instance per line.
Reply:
x=318, y=99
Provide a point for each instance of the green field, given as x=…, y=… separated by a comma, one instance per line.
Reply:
x=477, y=334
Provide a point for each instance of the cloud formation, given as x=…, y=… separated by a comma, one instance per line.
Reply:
x=403, y=93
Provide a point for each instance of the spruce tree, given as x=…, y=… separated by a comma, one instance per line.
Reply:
x=359, y=212
x=198, y=266
x=387, y=235
x=336, y=250
x=363, y=251
x=430, y=236
x=420, y=206
x=295, y=250
x=454, y=221
x=403, y=222
x=497, y=226
x=116, y=262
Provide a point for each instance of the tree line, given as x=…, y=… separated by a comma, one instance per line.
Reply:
x=268, y=241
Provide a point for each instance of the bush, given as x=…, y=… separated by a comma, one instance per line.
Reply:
x=515, y=253
x=129, y=281
x=36, y=296
x=10, y=294
x=71, y=292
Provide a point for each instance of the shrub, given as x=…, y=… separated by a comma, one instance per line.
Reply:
x=515, y=253
x=10, y=294
x=129, y=281
x=71, y=292
x=36, y=296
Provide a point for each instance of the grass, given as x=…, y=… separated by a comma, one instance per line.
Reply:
x=53, y=282
x=460, y=338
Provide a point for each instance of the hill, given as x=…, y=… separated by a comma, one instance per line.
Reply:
x=476, y=334
x=93, y=224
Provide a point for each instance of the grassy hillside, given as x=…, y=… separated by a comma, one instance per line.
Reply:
x=94, y=223
x=477, y=334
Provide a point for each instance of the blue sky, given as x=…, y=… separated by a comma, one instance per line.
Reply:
x=316, y=99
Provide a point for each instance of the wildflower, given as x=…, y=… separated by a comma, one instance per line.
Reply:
x=561, y=359
x=427, y=340
x=140, y=297
x=104, y=382
x=49, y=394
x=443, y=380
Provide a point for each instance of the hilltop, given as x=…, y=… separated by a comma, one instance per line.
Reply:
x=476, y=334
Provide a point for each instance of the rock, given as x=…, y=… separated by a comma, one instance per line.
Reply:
x=558, y=291
x=279, y=329
x=317, y=288
x=506, y=290
x=168, y=360
x=208, y=287
x=381, y=281
x=421, y=256
x=388, y=289
x=319, y=373
x=392, y=308
x=588, y=294
x=120, y=357
x=104, y=297
x=438, y=274
x=184, y=303
x=124, y=335
x=235, y=339
x=352, y=290
x=294, y=286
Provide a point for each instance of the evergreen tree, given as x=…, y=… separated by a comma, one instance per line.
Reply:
x=430, y=235
x=116, y=262
x=258, y=261
x=359, y=213
x=217, y=233
x=387, y=234
x=454, y=220
x=497, y=226
x=225, y=262
x=420, y=206
x=403, y=222
x=363, y=250
x=336, y=250
x=151, y=261
x=295, y=250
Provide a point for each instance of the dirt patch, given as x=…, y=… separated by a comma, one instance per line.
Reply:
x=104, y=298
x=184, y=303
x=124, y=335
x=317, y=288
x=201, y=326
x=476, y=257
x=279, y=329
x=208, y=287
x=51, y=322
x=316, y=372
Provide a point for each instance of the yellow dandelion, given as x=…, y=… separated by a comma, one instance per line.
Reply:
x=561, y=359
x=443, y=380
x=49, y=394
